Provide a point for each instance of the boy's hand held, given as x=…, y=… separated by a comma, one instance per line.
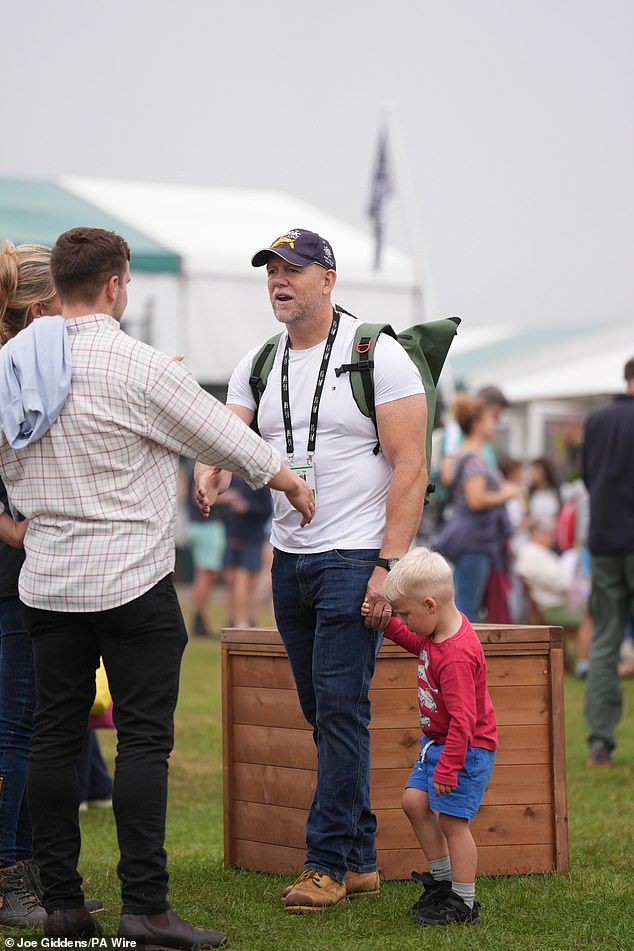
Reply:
x=442, y=788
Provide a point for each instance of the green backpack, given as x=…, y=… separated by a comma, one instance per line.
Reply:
x=427, y=345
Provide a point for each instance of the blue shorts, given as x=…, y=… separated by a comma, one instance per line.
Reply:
x=244, y=555
x=473, y=778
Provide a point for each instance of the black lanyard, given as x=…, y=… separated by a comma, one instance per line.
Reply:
x=321, y=378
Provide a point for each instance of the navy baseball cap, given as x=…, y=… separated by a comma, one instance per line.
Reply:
x=298, y=247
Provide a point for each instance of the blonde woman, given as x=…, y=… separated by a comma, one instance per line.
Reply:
x=26, y=291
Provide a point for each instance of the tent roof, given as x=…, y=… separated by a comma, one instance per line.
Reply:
x=544, y=362
x=218, y=229
x=38, y=211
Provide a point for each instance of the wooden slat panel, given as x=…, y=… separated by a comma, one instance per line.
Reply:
x=266, y=706
x=276, y=825
x=523, y=745
x=271, y=755
x=398, y=864
x=248, y=639
x=516, y=784
x=515, y=704
x=389, y=749
x=274, y=785
x=263, y=671
x=493, y=825
x=394, y=708
x=492, y=860
x=285, y=786
x=502, y=668
x=274, y=746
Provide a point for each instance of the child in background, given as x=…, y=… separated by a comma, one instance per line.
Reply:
x=459, y=732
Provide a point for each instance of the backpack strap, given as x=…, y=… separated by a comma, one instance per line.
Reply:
x=361, y=370
x=260, y=369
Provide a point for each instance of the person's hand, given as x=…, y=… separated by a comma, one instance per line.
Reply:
x=207, y=488
x=386, y=615
x=378, y=611
x=441, y=789
x=301, y=497
x=510, y=490
x=178, y=358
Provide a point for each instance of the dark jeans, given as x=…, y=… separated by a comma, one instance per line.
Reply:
x=17, y=699
x=141, y=644
x=317, y=600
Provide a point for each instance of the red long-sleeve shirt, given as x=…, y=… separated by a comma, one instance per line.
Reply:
x=453, y=697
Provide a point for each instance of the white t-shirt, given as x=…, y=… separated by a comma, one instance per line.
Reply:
x=352, y=483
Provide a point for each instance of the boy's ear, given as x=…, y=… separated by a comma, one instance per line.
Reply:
x=431, y=605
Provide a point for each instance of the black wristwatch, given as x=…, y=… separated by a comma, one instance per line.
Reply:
x=387, y=563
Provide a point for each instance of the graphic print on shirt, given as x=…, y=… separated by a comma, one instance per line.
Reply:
x=425, y=690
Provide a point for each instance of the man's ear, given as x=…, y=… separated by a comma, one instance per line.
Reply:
x=330, y=279
x=112, y=287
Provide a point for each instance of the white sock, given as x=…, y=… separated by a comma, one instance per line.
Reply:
x=441, y=869
x=466, y=891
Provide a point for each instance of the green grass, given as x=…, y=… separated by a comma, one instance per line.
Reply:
x=590, y=908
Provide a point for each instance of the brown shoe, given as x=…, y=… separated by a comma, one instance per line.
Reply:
x=314, y=891
x=362, y=884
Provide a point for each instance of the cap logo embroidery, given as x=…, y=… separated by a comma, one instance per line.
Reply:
x=289, y=241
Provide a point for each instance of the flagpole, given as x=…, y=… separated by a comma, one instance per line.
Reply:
x=404, y=185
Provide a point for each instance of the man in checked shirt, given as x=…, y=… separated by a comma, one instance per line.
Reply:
x=99, y=489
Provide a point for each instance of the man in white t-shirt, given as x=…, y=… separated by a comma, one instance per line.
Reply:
x=368, y=509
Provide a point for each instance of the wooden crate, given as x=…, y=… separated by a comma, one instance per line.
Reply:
x=269, y=757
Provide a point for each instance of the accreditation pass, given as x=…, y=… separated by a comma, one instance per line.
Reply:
x=307, y=473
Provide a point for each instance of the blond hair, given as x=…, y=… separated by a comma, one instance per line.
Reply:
x=25, y=279
x=420, y=574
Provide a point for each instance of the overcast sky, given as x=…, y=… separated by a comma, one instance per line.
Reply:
x=515, y=116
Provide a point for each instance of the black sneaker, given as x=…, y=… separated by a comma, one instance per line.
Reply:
x=432, y=892
x=20, y=906
x=449, y=910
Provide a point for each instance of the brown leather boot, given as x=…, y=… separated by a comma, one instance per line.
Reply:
x=314, y=891
x=362, y=884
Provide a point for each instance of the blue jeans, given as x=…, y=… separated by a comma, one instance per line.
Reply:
x=317, y=601
x=17, y=700
x=471, y=573
x=141, y=643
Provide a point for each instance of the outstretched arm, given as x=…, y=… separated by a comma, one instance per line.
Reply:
x=212, y=482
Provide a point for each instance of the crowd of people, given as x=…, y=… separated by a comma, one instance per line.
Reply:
x=230, y=545
x=94, y=427
x=519, y=538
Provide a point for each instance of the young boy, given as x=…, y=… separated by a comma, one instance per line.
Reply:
x=459, y=732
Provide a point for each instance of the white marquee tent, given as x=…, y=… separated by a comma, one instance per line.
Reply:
x=217, y=308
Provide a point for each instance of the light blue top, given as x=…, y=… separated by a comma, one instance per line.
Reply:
x=35, y=371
